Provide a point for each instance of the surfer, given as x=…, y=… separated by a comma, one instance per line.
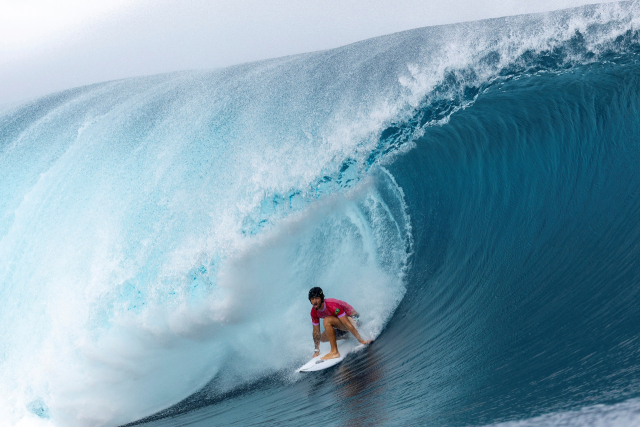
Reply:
x=338, y=318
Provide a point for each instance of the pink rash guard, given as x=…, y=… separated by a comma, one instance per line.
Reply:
x=332, y=307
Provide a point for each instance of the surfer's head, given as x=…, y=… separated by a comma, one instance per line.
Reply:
x=316, y=297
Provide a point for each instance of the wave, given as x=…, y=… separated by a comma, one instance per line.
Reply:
x=472, y=186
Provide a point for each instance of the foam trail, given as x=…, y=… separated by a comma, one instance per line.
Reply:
x=625, y=414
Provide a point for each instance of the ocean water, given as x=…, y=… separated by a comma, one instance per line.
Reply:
x=472, y=190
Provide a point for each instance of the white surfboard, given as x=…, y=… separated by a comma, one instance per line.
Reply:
x=344, y=348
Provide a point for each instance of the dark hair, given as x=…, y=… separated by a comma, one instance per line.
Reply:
x=316, y=292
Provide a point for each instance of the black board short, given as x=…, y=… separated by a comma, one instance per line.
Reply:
x=341, y=334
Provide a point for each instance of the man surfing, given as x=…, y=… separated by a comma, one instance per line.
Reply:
x=338, y=319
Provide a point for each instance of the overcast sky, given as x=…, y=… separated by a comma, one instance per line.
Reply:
x=46, y=46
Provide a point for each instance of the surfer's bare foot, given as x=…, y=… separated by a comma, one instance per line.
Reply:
x=331, y=355
x=366, y=342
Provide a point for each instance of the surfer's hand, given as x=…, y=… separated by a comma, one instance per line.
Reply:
x=316, y=354
x=366, y=341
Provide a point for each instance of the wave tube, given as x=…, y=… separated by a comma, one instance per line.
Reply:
x=155, y=232
x=131, y=277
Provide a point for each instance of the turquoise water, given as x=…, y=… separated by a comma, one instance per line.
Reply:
x=472, y=190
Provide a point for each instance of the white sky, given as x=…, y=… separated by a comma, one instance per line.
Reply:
x=46, y=45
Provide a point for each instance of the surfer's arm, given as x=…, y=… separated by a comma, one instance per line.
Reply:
x=316, y=339
x=349, y=326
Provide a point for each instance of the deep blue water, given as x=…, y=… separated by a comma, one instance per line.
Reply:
x=484, y=216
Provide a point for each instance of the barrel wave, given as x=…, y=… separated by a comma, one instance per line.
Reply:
x=472, y=190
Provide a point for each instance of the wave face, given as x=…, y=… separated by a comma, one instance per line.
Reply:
x=471, y=189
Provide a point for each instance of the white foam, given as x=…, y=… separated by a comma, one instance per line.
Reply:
x=625, y=414
x=111, y=370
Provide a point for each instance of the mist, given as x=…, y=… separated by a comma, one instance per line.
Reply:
x=46, y=51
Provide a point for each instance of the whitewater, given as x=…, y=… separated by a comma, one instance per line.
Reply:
x=471, y=189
